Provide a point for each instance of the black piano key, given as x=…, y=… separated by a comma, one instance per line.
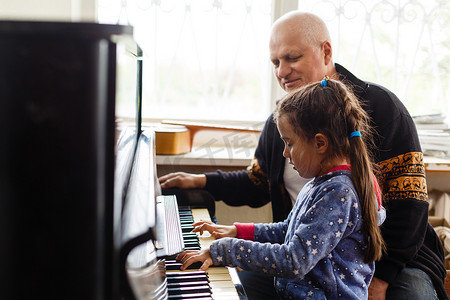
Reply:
x=198, y=296
x=187, y=225
x=191, y=243
x=185, y=213
x=189, y=236
x=186, y=216
x=174, y=265
x=186, y=222
x=192, y=248
x=190, y=289
x=195, y=265
x=187, y=283
x=182, y=278
x=192, y=234
x=190, y=240
x=173, y=262
x=190, y=273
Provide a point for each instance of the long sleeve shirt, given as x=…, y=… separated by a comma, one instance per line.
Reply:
x=317, y=252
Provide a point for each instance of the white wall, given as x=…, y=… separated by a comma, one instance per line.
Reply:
x=49, y=10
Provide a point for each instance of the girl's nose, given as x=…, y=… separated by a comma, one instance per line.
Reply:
x=286, y=152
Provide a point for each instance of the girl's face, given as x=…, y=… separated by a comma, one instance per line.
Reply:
x=305, y=156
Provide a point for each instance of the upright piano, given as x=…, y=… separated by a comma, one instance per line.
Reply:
x=81, y=210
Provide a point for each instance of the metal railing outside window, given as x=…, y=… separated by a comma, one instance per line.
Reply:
x=401, y=44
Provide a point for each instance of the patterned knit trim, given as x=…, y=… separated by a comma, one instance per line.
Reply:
x=257, y=176
x=403, y=177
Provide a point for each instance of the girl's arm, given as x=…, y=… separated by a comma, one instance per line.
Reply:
x=313, y=239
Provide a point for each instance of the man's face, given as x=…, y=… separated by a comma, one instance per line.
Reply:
x=295, y=62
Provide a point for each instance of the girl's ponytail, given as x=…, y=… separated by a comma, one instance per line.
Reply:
x=364, y=182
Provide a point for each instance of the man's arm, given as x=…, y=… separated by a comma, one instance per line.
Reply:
x=405, y=198
x=403, y=184
x=182, y=180
x=236, y=188
x=402, y=178
x=250, y=186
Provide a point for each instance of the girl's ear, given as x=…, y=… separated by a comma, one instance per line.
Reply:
x=321, y=143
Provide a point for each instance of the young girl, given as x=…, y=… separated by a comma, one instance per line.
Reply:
x=327, y=246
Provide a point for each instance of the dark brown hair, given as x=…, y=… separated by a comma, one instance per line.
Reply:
x=334, y=111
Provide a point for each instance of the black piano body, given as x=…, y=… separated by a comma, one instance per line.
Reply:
x=62, y=206
x=78, y=185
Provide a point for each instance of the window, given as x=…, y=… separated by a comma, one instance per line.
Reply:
x=203, y=59
x=209, y=60
x=403, y=45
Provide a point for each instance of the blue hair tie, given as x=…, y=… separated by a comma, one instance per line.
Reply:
x=324, y=81
x=355, y=133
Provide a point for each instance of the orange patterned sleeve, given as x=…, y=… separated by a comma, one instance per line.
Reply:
x=403, y=177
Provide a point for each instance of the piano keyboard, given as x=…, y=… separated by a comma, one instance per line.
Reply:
x=223, y=282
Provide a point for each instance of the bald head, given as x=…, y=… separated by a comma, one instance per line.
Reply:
x=308, y=26
x=300, y=50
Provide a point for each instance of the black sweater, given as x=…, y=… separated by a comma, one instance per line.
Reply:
x=410, y=239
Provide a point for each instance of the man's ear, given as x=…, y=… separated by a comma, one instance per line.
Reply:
x=321, y=143
x=327, y=52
